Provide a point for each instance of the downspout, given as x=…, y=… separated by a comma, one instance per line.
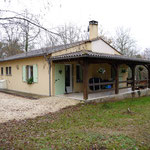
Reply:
x=49, y=64
x=49, y=72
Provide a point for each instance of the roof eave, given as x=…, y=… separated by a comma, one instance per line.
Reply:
x=4, y=60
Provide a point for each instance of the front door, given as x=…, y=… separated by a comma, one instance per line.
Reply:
x=59, y=79
x=68, y=78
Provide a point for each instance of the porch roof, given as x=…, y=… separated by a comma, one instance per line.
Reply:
x=100, y=56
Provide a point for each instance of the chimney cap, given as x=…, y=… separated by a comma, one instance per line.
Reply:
x=93, y=22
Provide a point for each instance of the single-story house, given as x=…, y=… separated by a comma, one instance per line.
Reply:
x=83, y=67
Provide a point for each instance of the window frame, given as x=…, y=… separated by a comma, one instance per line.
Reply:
x=79, y=74
x=2, y=71
x=25, y=74
x=29, y=72
x=8, y=71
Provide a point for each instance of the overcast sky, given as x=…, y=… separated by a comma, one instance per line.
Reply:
x=133, y=14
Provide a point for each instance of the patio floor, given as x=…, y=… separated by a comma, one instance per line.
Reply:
x=92, y=96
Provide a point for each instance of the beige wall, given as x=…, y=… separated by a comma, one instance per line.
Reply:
x=100, y=46
x=93, y=31
x=93, y=71
x=85, y=46
x=124, y=75
x=15, y=82
x=93, y=68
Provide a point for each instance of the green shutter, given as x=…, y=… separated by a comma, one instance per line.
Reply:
x=35, y=73
x=24, y=73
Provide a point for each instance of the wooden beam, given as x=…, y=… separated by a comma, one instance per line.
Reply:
x=148, y=76
x=116, y=67
x=148, y=70
x=101, y=83
x=97, y=61
x=85, y=79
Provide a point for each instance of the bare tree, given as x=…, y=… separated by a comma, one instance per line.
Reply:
x=124, y=42
x=71, y=33
x=146, y=53
x=10, y=44
x=67, y=34
x=11, y=48
x=23, y=24
x=104, y=35
x=29, y=31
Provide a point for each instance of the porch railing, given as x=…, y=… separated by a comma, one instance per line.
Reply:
x=137, y=84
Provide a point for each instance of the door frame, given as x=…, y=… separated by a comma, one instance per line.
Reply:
x=70, y=88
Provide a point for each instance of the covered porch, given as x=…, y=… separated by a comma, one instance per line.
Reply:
x=96, y=95
x=115, y=81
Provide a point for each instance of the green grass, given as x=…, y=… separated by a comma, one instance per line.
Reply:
x=85, y=126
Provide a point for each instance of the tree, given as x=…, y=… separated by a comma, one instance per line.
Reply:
x=146, y=53
x=26, y=31
x=10, y=45
x=124, y=42
x=29, y=31
x=66, y=34
x=104, y=35
x=10, y=48
x=71, y=33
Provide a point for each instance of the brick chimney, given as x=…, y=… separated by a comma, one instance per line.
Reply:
x=93, y=29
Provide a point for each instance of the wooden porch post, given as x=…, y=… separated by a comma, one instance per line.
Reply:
x=148, y=69
x=116, y=79
x=133, y=77
x=85, y=79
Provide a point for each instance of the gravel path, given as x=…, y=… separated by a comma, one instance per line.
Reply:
x=13, y=107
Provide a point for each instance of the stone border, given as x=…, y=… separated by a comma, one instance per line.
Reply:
x=122, y=96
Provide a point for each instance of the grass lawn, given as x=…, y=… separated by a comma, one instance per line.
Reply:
x=85, y=126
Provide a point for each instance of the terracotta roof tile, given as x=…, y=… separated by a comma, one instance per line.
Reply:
x=90, y=54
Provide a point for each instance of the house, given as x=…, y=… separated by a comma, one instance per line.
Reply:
x=83, y=67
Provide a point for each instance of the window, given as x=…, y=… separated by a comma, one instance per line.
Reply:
x=2, y=71
x=30, y=71
x=8, y=70
x=79, y=73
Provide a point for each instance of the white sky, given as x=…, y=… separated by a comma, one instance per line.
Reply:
x=133, y=14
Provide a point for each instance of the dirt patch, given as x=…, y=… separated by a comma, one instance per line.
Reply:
x=18, y=108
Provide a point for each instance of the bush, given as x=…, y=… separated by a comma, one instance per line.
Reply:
x=30, y=80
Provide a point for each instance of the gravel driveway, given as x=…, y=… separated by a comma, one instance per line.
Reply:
x=13, y=107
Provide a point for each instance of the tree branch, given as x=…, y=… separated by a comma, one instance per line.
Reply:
x=39, y=26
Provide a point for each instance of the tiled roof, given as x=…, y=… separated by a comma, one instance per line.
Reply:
x=49, y=50
x=41, y=52
x=90, y=54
